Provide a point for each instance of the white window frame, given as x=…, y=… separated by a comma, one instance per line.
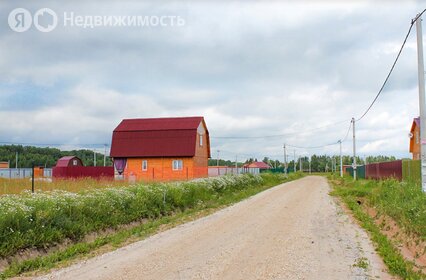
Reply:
x=74, y=162
x=177, y=164
x=201, y=139
x=144, y=165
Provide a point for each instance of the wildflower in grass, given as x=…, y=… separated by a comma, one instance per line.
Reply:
x=45, y=218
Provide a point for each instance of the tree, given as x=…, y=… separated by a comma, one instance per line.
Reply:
x=46, y=157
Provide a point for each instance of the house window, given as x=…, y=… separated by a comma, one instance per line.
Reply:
x=201, y=139
x=144, y=165
x=417, y=137
x=74, y=162
x=177, y=164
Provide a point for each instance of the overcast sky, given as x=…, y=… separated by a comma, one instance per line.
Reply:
x=251, y=69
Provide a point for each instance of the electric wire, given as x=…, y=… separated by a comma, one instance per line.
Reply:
x=278, y=135
x=53, y=144
x=393, y=66
x=347, y=132
x=286, y=134
x=312, y=147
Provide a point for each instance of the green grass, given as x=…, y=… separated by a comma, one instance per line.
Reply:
x=404, y=202
x=181, y=202
x=361, y=263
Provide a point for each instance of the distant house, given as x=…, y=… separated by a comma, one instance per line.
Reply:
x=161, y=149
x=257, y=164
x=69, y=161
x=415, y=138
x=4, y=164
x=72, y=167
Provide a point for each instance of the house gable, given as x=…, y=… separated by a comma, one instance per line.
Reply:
x=160, y=137
x=415, y=138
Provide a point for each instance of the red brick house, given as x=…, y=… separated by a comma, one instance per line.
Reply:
x=161, y=149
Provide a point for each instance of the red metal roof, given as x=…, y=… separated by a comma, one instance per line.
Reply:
x=159, y=124
x=65, y=161
x=257, y=164
x=159, y=137
x=415, y=121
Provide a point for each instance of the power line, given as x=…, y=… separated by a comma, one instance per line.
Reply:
x=277, y=135
x=313, y=147
x=347, y=132
x=393, y=66
x=52, y=144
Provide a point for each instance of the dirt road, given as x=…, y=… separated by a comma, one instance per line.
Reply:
x=292, y=231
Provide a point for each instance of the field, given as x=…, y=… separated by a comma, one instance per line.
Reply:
x=17, y=186
x=44, y=219
x=395, y=215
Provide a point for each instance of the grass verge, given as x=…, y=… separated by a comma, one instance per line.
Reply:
x=385, y=196
x=222, y=198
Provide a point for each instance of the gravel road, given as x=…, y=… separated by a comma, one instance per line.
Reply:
x=292, y=231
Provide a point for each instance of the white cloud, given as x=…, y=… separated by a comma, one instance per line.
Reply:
x=251, y=69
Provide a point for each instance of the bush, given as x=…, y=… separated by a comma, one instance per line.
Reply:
x=46, y=218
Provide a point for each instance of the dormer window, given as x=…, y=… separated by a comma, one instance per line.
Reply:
x=201, y=139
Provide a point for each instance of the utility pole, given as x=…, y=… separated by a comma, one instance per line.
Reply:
x=217, y=160
x=341, y=160
x=16, y=161
x=285, y=160
x=105, y=146
x=236, y=164
x=310, y=164
x=421, y=74
x=94, y=157
x=217, y=163
x=335, y=164
x=32, y=177
x=294, y=160
x=354, y=147
x=300, y=164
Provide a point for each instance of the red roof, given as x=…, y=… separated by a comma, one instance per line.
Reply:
x=258, y=164
x=65, y=161
x=160, y=137
x=416, y=121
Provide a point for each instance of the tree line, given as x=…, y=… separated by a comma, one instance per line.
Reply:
x=46, y=157
x=319, y=163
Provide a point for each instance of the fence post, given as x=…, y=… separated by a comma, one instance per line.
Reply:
x=32, y=178
x=164, y=195
x=407, y=167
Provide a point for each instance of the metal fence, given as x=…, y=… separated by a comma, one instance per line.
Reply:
x=20, y=173
x=83, y=172
x=277, y=170
x=382, y=170
x=224, y=170
x=397, y=169
x=360, y=171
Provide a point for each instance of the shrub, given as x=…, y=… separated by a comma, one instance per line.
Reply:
x=45, y=218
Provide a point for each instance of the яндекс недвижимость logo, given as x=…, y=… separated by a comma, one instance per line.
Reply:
x=20, y=20
x=46, y=20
